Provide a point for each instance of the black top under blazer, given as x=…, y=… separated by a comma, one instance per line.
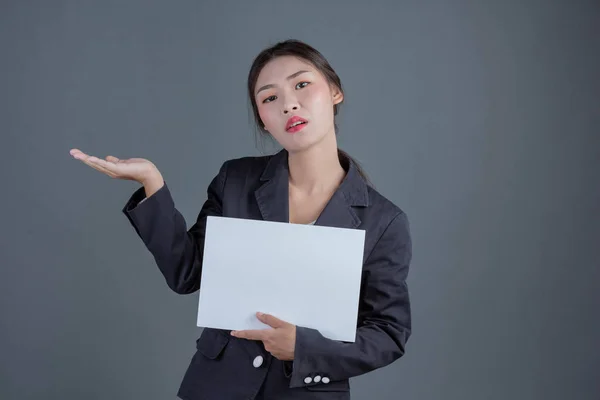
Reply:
x=223, y=367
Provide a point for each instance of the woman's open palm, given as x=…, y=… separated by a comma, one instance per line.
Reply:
x=134, y=169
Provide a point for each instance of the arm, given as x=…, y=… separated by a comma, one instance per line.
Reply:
x=384, y=317
x=178, y=252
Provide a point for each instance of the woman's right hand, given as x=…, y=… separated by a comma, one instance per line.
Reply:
x=133, y=169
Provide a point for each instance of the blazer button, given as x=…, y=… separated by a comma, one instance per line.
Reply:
x=307, y=380
x=325, y=379
x=257, y=361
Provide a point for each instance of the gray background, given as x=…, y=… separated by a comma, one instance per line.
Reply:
x=479, y=119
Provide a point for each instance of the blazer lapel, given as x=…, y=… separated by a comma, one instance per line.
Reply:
x=337, y=213
x=353, y=192
x=273, y=196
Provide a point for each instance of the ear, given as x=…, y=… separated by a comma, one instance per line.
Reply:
x=264, y=127
x=337, y=96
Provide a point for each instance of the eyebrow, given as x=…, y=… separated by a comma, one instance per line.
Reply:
x=292, y=76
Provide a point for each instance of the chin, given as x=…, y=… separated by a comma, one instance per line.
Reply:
x=298, y=143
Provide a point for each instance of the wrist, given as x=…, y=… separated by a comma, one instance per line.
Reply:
x=152, y=182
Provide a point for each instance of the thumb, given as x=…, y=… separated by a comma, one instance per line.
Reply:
x=270, y=320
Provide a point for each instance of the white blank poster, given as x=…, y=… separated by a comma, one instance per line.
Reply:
x=303, y=274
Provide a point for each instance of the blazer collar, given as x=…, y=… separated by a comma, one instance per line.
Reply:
x=273, y=195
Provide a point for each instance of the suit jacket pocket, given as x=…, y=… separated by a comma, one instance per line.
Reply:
x=211, y=343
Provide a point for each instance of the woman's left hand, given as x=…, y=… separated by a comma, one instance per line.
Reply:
x=280, y=341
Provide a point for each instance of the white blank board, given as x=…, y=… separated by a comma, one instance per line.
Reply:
x=307, y=275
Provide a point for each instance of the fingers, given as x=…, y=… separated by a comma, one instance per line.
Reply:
x=133, y=160
x=251, y=334
x=270, y=320
x=94, y=163
x=105, y=165
x=101, y=165
x=260, y=334
x=78, y=154
x=132, y=168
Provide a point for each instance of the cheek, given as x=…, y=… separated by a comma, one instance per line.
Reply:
x=318, y=97
x=266, y=114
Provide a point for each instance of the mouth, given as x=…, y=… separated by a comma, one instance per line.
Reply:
x=295, y=124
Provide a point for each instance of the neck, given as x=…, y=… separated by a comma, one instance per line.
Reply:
x=317, y=168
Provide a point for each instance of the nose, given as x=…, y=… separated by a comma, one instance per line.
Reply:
x=286, y=109
x=290, y=103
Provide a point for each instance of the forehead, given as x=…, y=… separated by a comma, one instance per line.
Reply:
x=280, y=68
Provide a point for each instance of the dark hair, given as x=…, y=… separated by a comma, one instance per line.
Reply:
x=299, y=49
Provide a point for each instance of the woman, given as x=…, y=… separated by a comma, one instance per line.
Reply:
x=295, y=95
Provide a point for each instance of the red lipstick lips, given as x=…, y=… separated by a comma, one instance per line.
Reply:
x=295, y=123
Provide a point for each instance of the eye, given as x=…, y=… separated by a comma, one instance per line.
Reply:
x=304, y=83
x=269, y=99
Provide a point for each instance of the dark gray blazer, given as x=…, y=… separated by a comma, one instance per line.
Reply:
x=228, y=368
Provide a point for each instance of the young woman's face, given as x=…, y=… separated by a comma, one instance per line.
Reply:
x=290, y=90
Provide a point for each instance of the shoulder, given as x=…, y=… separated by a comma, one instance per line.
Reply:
x=248, y=162
x=368, y=202
x=382, y=205
x=387, y=213
x=387, y=225
x=245, y=166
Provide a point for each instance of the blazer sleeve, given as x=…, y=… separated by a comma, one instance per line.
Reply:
x=384, y=317
x=177, y=251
